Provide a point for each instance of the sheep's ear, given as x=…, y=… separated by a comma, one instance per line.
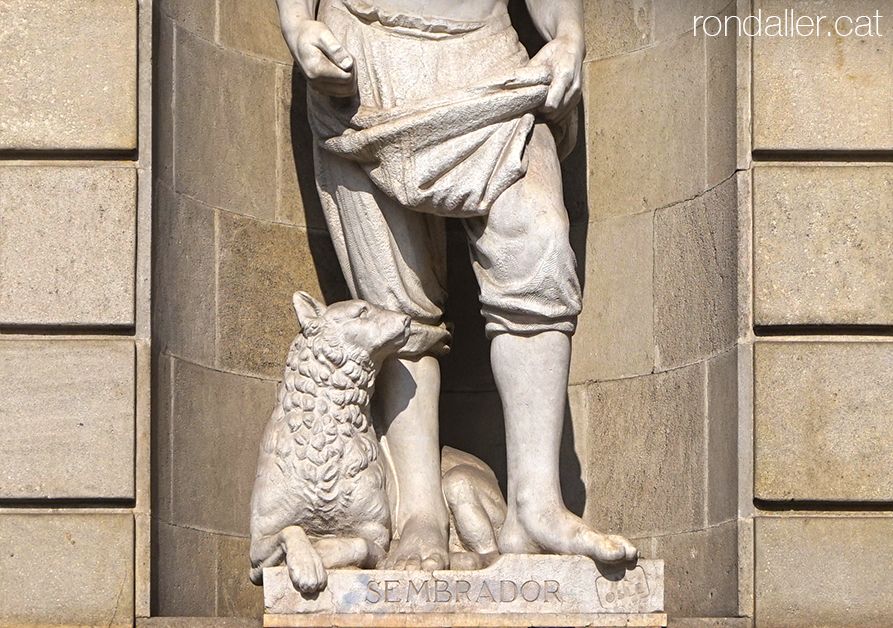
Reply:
x=306, y=307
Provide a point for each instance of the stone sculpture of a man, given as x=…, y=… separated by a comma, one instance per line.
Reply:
x=430, y=108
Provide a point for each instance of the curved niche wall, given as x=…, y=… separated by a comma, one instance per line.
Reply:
x=651, y=193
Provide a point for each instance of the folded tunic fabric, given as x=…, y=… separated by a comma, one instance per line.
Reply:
x=452, y=153
x=450, y=156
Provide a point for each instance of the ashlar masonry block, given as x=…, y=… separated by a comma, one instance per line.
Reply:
x=66, y=419
x=73, y=92
x=66, y=570
x=823, y=245
x=822, y=421
x=67, y=245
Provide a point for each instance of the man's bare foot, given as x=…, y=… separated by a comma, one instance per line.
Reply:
x=559, y=531
x=422, y=546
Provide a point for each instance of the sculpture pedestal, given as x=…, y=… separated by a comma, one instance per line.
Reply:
x=516, y=590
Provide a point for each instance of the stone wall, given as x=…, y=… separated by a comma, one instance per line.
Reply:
x=237, y=230
x=75, y=215
x=818, y=311
x=652, y=195
x=654, y=376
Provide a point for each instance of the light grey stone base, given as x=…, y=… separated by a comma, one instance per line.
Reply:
x=517, y=590
x=467, y=620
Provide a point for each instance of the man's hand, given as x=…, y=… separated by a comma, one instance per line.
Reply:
x=564, y=56
x=329, y=68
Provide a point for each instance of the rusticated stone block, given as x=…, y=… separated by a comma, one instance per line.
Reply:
x=216, y=416
x=615, y=335
x=805, y=88
x=696, y=277
x=66, y=570
x=654, y=482
x=76, y=91
x=822, y=421
x=72, y=405
x=68, y=245
x=226, y=127
x=652, y=154
x=823, y=245
x=833, y=572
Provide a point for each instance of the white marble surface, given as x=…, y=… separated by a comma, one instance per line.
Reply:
x=514, y=584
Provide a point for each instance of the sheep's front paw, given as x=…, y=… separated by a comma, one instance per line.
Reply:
x=306, y=570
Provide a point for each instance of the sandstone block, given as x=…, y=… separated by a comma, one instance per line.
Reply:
x=615, y=335
x=701, y=571
x=185, y=563
x=722, y=88
x=722, y=438
x=236, y=596
x=654, y=483
x=72, y=405
x=66, y=570
x=710, y=622
x=298, y=199
x=623, y=26
x=68, y=247
x=197, y=16
x=162, y=408
x=226, y=127
x=253, y=26
x=216, y=416
x=804, y=88
x=695, y=277
x=185, y=290
x=676, y=17
x=649, y=155
x=823, y=238
x=822, y=421
x=616, y=28
x=78, y=91
x=833, y=572
x=260, y=266
x=163, y=102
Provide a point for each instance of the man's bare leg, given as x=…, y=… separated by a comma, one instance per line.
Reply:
x=409, y=390
x=531, y=374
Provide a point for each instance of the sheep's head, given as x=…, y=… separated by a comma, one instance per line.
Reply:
x=356, y=329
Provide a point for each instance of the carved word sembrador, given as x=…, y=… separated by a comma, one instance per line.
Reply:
x=462, y=591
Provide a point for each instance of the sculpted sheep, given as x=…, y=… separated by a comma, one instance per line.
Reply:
x=319, y=498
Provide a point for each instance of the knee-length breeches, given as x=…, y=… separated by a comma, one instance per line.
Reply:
x=394, y=254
